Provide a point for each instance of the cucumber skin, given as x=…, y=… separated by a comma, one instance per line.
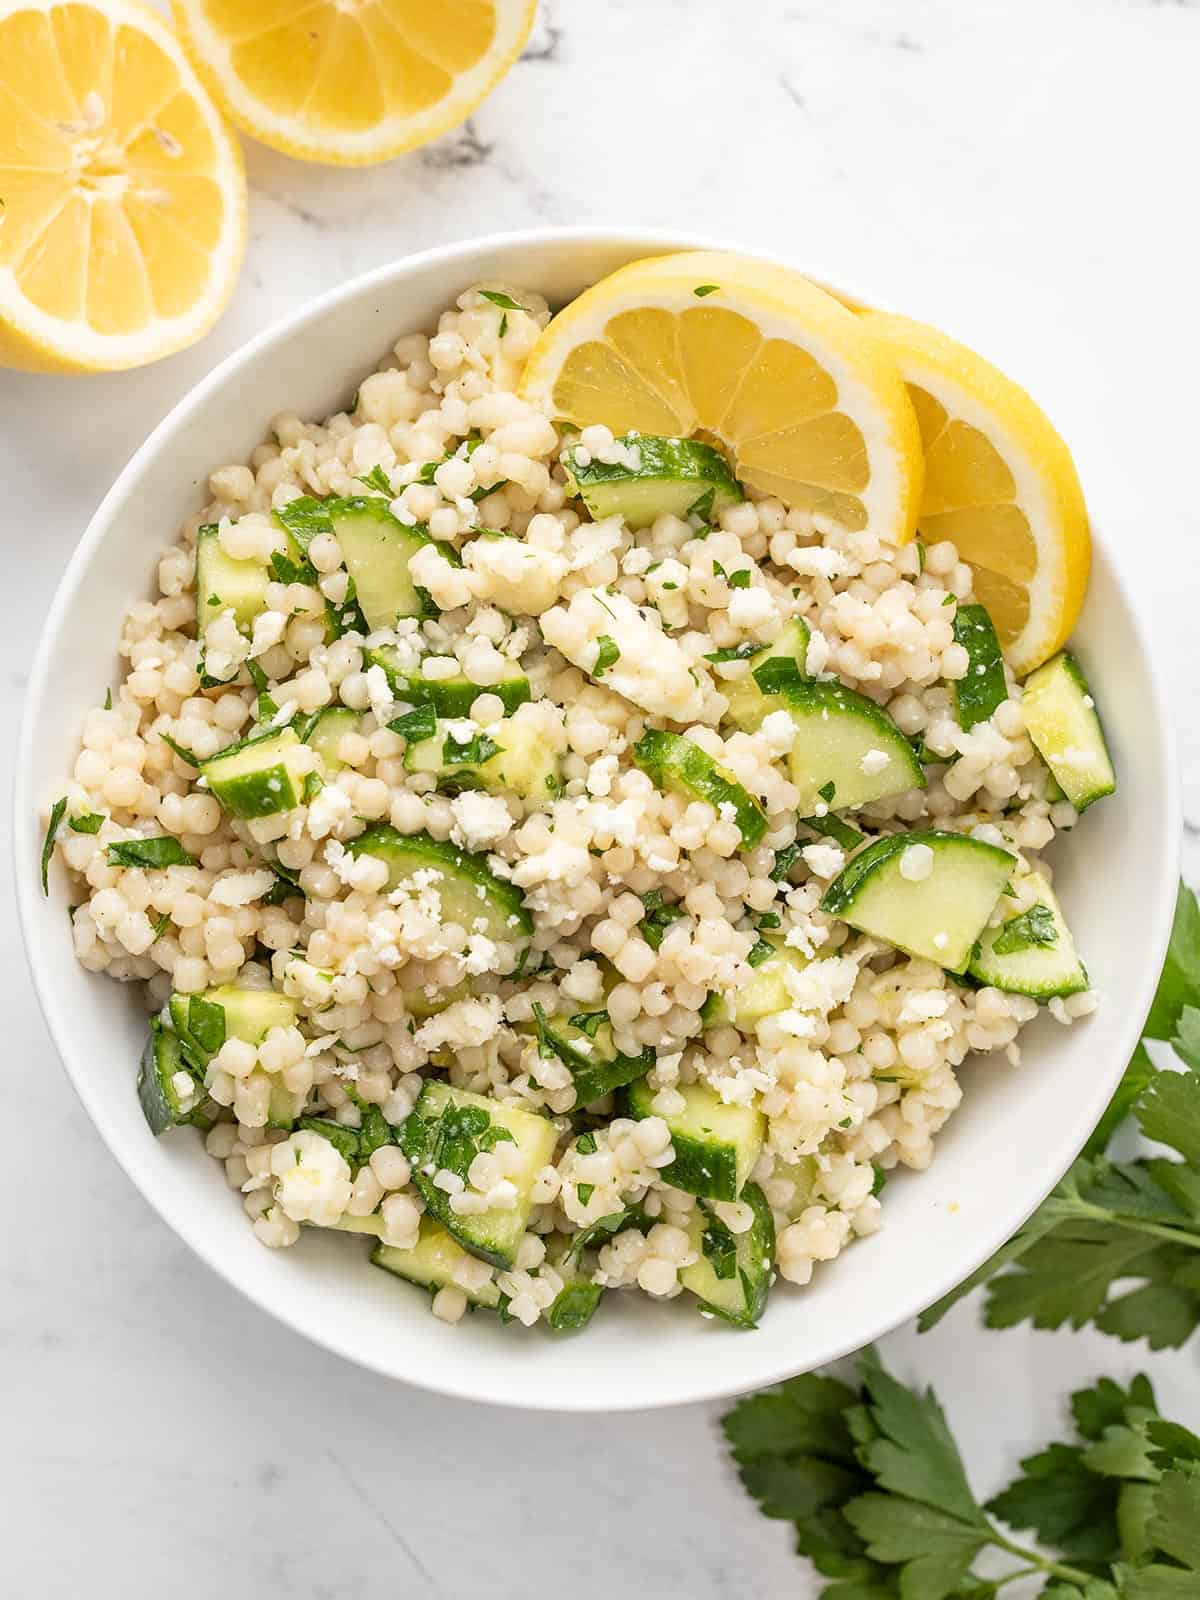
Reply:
x=672, y=761
x=449, y=697
x=665, y=460
x=984, y=687
x=705, y=1169
x=421, y=850
x=161, y=1059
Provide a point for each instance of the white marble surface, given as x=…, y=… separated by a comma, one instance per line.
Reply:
x=1017, y=170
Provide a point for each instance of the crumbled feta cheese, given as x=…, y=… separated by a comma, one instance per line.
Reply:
x=825, y=860
x=464, y=1024
x=327, y=810
x=652, y=670
x=312, y=1180
x=480, y=820
x=515, y=576
x=779, y=732
x=241, y=888
x=873, y=761
x=750, y=608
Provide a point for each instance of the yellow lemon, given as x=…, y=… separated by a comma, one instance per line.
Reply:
x=754, y=357
x=1000, y=483
x=351, y=81
x=122, y=195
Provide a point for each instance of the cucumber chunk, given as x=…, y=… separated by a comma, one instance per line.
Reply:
x=716, y=1145
x=673, y=477
x=848, y=752
x=163, y=1105
x=800, y=1178
x=1031, y=952
x=430, y=1263
x=678, y=765
x=449, y=697
x=984, y=687
x=509, y=755
x=377, y=548
x=1061, y=720
x=938, y=917
x=447, y=1129
x=261, y=777
x=325, y=733
x=765, y=995
x=748, y=704
x=204, y=1021
x=223, y=584
x=732, y=1275
x=591, y=1057
x=471, y=893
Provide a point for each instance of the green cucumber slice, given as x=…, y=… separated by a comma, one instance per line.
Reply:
x=161, y=1103
x=848, y=752
x=938, y=917
x=591, y=1057
x=259, y=778
x=801, y=1176
x=204, y=1021
x=765, y=995
x=223, y=584
x=447, y=1129
x=430, y=1263
x=1061, y=720
x=732, y=1274
x=516, y=758
x=984, y=687
x=716, y=1145
x=678, y=765
x=471, y=893
x=326, y=731
x=748, y=704
x=377, y=548
x=673, y=477
x=449, y=697
x=1031, y=952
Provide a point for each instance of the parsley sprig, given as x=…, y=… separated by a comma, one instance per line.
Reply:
x=873, y=1482
x=1117, y=1243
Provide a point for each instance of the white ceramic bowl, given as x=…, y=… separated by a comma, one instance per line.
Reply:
x=1002, y=1151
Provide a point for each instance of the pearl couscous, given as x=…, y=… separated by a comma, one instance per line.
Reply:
x=471, y=849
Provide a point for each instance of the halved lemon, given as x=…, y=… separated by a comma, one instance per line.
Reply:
x=999, y=482
x=351, y=81
x=754, y=357
x=122, y=195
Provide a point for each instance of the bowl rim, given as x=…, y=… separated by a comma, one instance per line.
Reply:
x=454, y=1380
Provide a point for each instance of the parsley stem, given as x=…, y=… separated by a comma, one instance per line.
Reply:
x=1036, y=1562
x=1158, y=1230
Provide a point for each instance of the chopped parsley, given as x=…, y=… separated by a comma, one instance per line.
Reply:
x=760, y=951
x=834, y=828
x=378, y=480
x=161, y=851
x=450, y=1141
x=161, y=926
x=719, y=1247
x=56, y=816
x=704, y=289
x=108, y=699
x=471, y=752
x=607, y=654
x=586, y=1144
x=313, y=784
x=588, y=1022
x=777, y=675
x=285, y=570
x=827, y=792
x=585, y=1191
x=658, y=918
x=1033, y=927
x=740, y=579
x=785, y=860
x=420, y=723
x=702, y=505
x=499, y=298
x=90, y=822
x=734, y=652
x=181, y=751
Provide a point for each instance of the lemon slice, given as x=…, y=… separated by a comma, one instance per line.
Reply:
x=999, y=482
x=122, y=195
x=351, y=81
x=749, y=355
